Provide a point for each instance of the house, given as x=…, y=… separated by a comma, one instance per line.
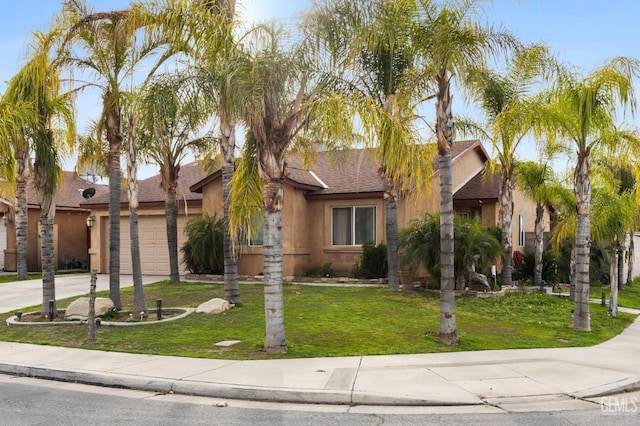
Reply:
x=152, y=225
x=331, y=209
x=69, y=228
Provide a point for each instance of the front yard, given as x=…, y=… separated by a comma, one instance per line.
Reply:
x=333, y=321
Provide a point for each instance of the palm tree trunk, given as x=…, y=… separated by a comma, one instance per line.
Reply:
x=582, y=189
x=114, y=137
x=620, y=267
x=391, y=227
x=630, y=257
x=22, y=213
x=231, y=284
x=275, y=341
x=171, y=210
x=47, y=256
x=506, y=226
x=228, y=146
x=447, y=332
x=139, y=304
x=572, y=275
x=539, y=247
x=48, y=275
x=613, y=274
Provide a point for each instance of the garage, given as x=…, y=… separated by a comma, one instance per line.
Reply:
x=154, y=253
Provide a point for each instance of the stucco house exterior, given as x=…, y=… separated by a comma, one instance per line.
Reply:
x=331, y=209
x=70, y=228
x=154, y=252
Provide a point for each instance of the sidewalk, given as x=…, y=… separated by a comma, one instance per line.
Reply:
x=513, y=380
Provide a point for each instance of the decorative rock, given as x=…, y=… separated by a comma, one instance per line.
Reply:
x=79, y=308
x=478, y=282
x=214, y=306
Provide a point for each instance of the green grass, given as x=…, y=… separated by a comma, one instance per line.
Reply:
x=629, y=297
x=13, y=278
x=334, y=321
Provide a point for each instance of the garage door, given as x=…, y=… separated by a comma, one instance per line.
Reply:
x=154, y=253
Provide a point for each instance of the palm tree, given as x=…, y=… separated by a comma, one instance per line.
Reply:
x=613, y=211
x=452, y=45
x=15, y=115
x=38, y=82
x=537, y=182
x=18, y=167
x=217, y=76
x=511, y=114
x=585, y=112
x=623, y=161
x=111, y=47
x=289, y=100
x=373, y=41
x=170, y=111
x=139, y=302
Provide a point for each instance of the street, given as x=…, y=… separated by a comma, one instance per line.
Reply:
x=27, y=401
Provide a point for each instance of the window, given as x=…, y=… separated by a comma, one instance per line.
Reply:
x=353, y=225
x=521, y=230
x=256, y=224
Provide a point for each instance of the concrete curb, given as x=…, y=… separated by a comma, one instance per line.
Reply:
x=627, y=385
x=187, y=387
x=220, y=390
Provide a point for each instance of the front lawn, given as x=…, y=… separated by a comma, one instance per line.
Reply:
x=334, y=321
x=629, y=297
x=13, y=278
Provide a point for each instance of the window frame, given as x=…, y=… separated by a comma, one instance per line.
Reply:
x=521, y=230
x=353, y=209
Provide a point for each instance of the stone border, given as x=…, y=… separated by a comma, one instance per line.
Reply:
x=13, y=320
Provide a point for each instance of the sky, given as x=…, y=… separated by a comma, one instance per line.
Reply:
x=584, y=33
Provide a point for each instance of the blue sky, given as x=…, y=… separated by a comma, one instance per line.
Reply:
x=584, y=33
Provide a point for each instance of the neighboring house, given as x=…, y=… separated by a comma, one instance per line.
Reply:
x=332, y=209
x=70, y=227
x=154, y=251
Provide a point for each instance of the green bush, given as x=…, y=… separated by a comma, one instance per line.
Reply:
x=324, y=271
x=526, y=270
x=474, y=246
x=373, y=263
x=203, y=252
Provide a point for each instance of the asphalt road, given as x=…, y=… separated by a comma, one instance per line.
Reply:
x=26, y=401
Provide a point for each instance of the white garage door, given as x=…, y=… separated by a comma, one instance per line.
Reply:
x=154, y=253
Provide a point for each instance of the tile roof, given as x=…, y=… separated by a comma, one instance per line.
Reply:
x=150, y=191
x=480, y=188
x=346, y=172
x=69, y=192
x=343, y=172
x=355, y=171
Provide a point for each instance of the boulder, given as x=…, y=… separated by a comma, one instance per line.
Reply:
x=79, y=308
x=214, y=306
x=478, y=282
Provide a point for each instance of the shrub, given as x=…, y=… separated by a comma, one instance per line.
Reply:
x=526, y=270
x=373, y=263
x=324, y=271
x=474, y=246
x=203, y=251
